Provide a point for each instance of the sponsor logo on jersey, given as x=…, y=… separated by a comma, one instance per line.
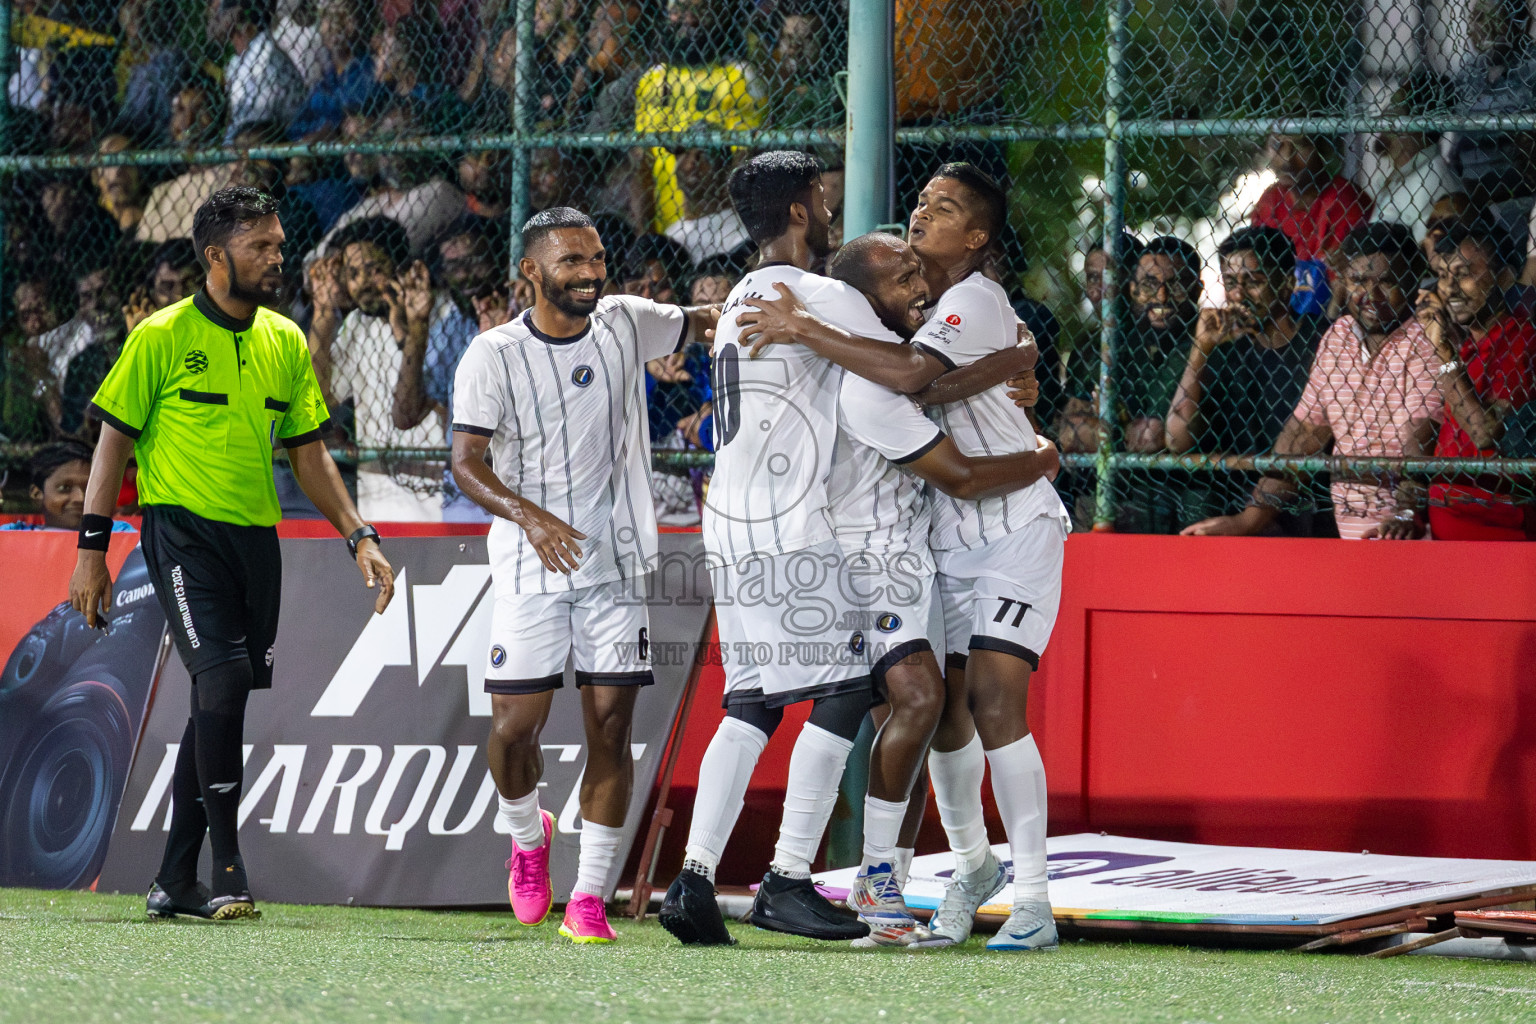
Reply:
x=953, y=320
x=581, y=376
x=856, y=643
x=498, y=656
x=888, y=623
x=196, y=361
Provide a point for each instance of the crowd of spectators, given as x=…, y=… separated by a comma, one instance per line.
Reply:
x=1376, y=318
x=395, y=257
x=1338, y=331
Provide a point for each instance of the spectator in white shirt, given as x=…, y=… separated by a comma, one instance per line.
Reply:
x=711, y=226
x=260, y=81
x=1419, y=175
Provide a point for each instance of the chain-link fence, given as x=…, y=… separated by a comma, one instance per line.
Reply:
x=1295, y=234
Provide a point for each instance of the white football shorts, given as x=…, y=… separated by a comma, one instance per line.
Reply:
x=1004, y=596
x=790, y=627
x=604, y=628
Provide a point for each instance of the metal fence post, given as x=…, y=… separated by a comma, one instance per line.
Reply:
x=1114, y=224
x=522, y=127
x=5, y=133
x=868, y=156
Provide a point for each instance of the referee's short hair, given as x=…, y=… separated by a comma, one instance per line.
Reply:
x=544, y=223
x=225, y=212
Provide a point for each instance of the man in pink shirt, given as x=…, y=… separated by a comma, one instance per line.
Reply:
x=1371, y=392
x=1315, y=208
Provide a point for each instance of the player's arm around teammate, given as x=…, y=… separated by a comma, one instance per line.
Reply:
x=786, y=320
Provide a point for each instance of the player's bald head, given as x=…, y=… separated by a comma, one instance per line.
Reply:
x=864, y=261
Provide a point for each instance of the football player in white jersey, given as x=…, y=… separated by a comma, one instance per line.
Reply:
x=886, y=448
x=999, y=562
x=557, y=397
x=785, y=609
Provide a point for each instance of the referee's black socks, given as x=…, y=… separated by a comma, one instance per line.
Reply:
x=219, y=720
x=178, y=870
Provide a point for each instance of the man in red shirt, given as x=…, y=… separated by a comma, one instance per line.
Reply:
x=1315, y=208
x=1487, y=368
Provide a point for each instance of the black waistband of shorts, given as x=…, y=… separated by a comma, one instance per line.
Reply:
x=183, y=516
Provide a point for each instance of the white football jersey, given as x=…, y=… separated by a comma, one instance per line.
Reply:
x=973, y=319
x=877, y=507
x=776, y=422
x=569, y=432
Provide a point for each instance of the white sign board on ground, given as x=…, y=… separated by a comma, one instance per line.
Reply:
x=1114, y=878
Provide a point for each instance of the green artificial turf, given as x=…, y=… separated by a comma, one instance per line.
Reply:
x=78, y=957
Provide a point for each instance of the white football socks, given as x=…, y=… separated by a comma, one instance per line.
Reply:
x=815, y=772
x=882, y=828
x=523, y=820
x=956, y=776
x=599, y=847
x=1018, y=786
x=723, y=777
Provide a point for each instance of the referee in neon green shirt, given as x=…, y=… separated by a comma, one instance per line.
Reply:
x=203, y=391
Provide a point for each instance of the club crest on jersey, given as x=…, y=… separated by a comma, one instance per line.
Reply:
x=888, y=623
x=196, y=361
x=581, y=376
x=498, y=656
x=856, y=643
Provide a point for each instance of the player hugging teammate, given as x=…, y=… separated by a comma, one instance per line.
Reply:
x=817, y=519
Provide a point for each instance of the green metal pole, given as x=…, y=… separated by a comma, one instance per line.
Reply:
x=1114, y=223
x=5, y=129
x=869, y=156
x=522, y=126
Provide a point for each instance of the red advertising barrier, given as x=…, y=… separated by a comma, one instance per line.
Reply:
x=1295, y=693
x=35, y=566
x=1292, y=693
x=1303, y=694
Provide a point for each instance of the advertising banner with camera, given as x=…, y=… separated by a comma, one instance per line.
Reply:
x=365, y=771
x=71, y=702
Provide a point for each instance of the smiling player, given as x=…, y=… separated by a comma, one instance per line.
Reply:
x=557, y=397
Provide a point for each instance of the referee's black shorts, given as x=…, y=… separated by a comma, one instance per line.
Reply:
x=219, y=584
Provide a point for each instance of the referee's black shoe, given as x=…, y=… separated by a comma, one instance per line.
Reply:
x=232, y=899
x=162, y=904
x=691, y=913
x=793, y=905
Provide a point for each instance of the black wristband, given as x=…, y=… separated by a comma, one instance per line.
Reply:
x=362, y=533
x=95, y=532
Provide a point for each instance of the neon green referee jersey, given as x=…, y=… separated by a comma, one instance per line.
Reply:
x=206, y=398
